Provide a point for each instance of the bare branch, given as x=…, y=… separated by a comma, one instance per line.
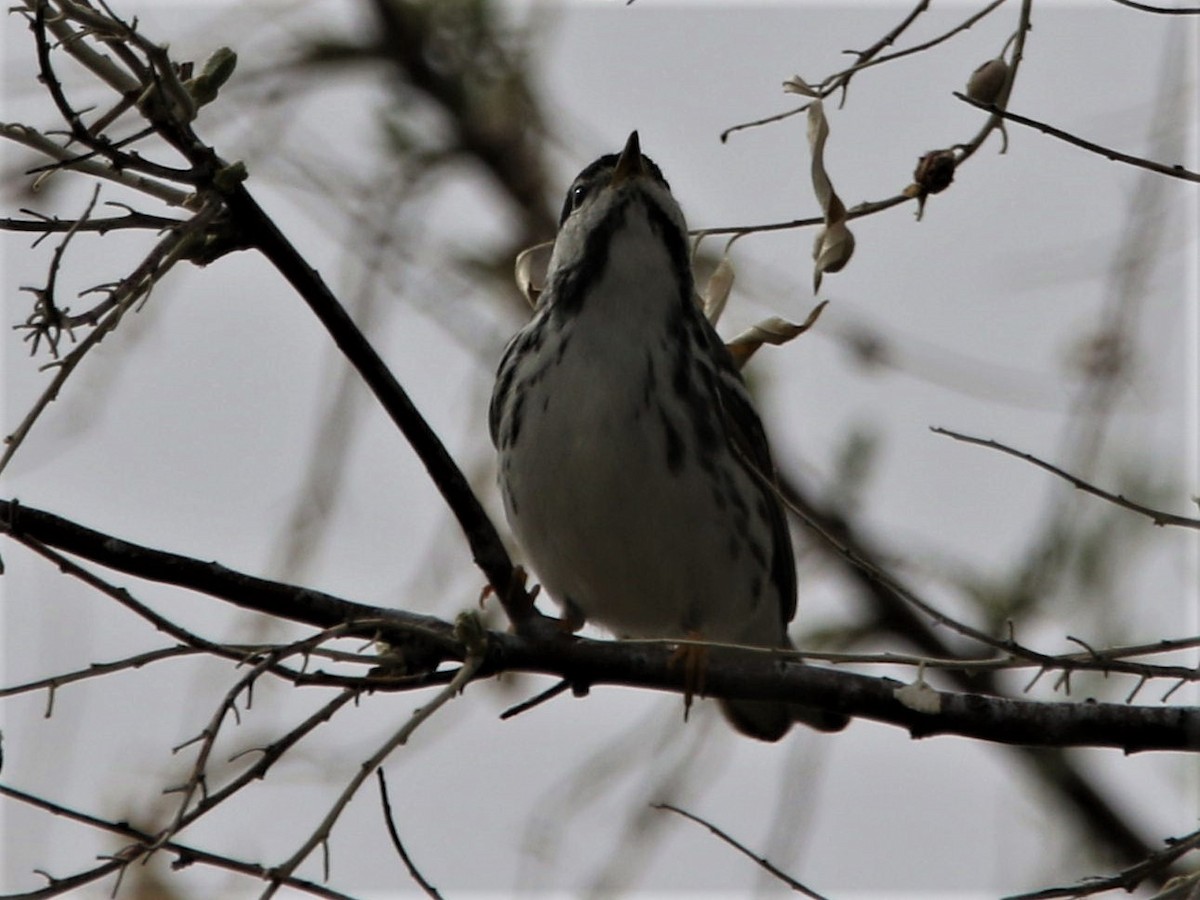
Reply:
x=187, y=854
x=1158, y=517
x=761, y=861
x=50, y=225
x=97, y=670
x=121, y=298
x=476, y=643
x=1127, y=879
x=868, y=58
x=35, y=140
x=739, y=673
x=394, y=834
x=1173, y=171
x=1164, y=10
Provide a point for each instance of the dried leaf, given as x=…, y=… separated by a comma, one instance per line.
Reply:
x=834, y=245
x=716, y=292
x=1182, y=887
x=797, y=85
x=774, y=331
x=530, y=270
x=832, y=248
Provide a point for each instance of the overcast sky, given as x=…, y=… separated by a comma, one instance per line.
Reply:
x=191, y=428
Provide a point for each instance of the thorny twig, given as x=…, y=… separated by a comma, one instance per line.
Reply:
x=48, y=320
x=187, y=854
x=121, y=298
x=197, y=779
x=475, y=640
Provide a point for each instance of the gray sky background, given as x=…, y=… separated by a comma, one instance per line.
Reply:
x=190, y=430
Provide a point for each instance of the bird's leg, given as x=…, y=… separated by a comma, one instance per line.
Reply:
x=694, y=659
x=528, y=621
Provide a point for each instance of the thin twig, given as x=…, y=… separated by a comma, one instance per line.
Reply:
x=1158, y=517
x=867, y=59
x=762, y=862
x=123, y=296
x=1164, y=10
x=394, y=834
x=187, y=854
x=197, y=778
x=35, y=140
x=96, y=670
x=537, y=700
x=320, y=834
x=1173, y=171
x=1127, y=879
x=46, y=225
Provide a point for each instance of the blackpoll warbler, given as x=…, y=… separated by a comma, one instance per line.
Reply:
x=632, y=462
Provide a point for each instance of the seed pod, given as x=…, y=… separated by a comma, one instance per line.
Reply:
x=986, y=82
x=935, y=171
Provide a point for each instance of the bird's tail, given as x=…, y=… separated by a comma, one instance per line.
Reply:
x=770, y=720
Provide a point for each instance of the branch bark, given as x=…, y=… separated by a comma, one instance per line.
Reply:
x=587, y=663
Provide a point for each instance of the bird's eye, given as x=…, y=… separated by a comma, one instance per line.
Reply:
x=578, y=195
x=575, y=198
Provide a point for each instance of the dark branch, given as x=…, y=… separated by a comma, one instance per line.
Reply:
x=1127, y=879
x=1164, y=10
x=187, y=855
x=486, y=547
x=284, y=601
x=763, y=862
x=1173, y=171
x=394, y=834
x=584, y=663
x=1094, y=813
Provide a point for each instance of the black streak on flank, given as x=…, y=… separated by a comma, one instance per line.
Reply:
x=675, y=450
x=650, y=381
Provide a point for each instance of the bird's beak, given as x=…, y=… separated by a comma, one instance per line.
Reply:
x=630, y=161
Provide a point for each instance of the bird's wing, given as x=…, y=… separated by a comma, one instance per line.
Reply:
x=744, y=430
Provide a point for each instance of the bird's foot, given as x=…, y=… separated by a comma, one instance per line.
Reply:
x=694, y=659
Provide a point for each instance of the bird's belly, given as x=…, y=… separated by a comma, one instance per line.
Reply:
x=644, y=538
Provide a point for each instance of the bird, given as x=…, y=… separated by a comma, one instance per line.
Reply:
x=634, y=471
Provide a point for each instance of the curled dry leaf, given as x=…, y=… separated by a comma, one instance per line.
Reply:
x=774, y=331
x=834, y=244
x=1181, y=887
x=716, y=292
x=530, y=270
x=797, y=85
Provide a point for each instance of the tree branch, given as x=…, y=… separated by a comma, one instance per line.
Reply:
x=1174, y=171
x=187, y=855
x=1158, y=517
x=740, y=672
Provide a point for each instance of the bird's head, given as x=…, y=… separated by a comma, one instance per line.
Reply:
x=604, y=197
